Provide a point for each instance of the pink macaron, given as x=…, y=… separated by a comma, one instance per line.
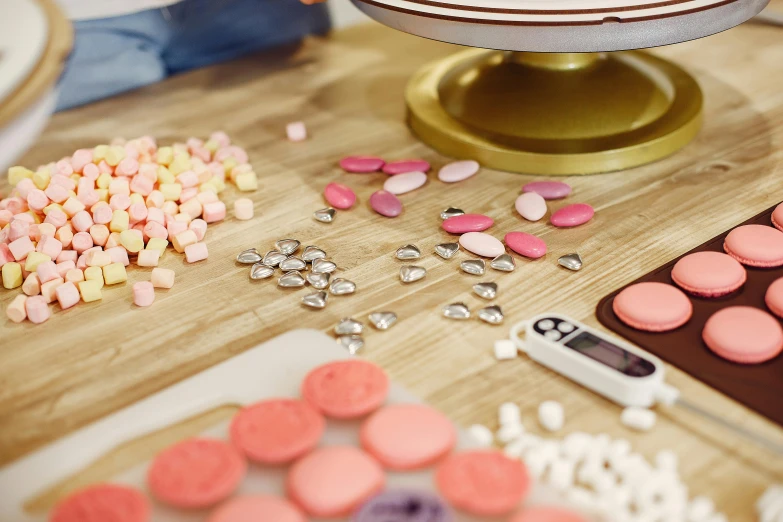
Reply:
x=777, y=217
x=709, y=274
x=774, y=297
x=652, y=307
x=755, y=245
x=743, y=334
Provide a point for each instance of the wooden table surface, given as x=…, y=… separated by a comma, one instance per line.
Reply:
x=97, y=358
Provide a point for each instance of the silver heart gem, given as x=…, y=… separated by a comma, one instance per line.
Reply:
x=408, y=252
x=571, y=261
x=323, y=266
x=447, y=250
x=325, y=215
x=291, y=280
x=273, y=258
x=473, y=266
x=504, y=263
x=456, y=311
x=411, y=273
x=261, y=271
x=292, y=263
x=249, y=256
x=315, y=300
x=348, y=326
x=491, y=314
x=451, y=212
x=486, y=290
x=311, y=253
x=319, y=281
x=287, y=246
x=342, y=287
x=382, y=320
x=352, y=343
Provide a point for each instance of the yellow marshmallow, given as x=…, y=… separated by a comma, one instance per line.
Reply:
x=184, y=239
x=115, y=155
x=207, y=187
x=34, y=259
x=52, y=206
x=131, y=241
x=157, y=243
x=171, y=191
x=180, y=164
x=94, y=273
x=136, y=198
x=99, y=153
x=119, y=221
x=90, y=290
x=164, y=176
x=12, y=275
x=98, y=258
x=212, y=146
x=103, y=181
x=103, y=194
x=247, y=181
x=72, y=206
x=41, y=179
x=17, y=174
x=183, y=217
x=165, y=155
x=114, y=274
x=34, y=215
x=75, y=177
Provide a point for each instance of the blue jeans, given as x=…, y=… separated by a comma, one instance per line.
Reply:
x=114, y=55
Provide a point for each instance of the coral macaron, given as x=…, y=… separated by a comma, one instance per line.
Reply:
x=777, y=217
x=755, y=245
x=652, y=307
x=709, y=274
x=743, y=334
x=774, y=297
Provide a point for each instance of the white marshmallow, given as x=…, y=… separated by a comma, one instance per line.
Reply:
x=508, y=413
x=536, y=463
x=481, y=435
x=575, y=445
x=667, y=460
x=617, y=450
x=505, y=349
x=509, y=432
x=770, y=496
x=551, y=415
x=561, y=474
x=700, y=508
x=582, y=498
x=296, y=131
x=640, y=419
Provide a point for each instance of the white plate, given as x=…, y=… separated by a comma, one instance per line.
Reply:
x=24, y=34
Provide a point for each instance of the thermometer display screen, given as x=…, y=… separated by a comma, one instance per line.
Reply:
x=611, y=355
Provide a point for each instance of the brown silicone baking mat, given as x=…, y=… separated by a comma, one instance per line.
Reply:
x=759, y=386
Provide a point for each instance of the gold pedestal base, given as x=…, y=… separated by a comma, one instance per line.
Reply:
x=556, y=114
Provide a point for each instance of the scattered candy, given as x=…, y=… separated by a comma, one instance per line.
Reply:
x=339, y=196
x=481, y=244
x=325, y=215
x=16, y=310
x=459, y=311
x=411, y=273
x=103, y=503
x=348, y=326
x=382, y=320
x=318, y=281
x=531, y=206
x=311, y=253
x=261, y=271
x=341, y=286
x=243, y=209
x=352, y=343
x=143, y=293
x=640, y=419
x=292, y=263
x=323, y=266
x=570, y=261
x=486, y=290
x=404, y=506
x=385, y=203
x=250, y=256
x=162, y=278
x=491, y=314
x=551, y=415
x=296, y=131
x=404, y=183
x=481, y=435
x=467, y=223
x=273, y=258
x=361, y=164
x=458, y=171
x=315, y=300
x=505, y=349
x=258, y=508
x=330, y=388
x=451, y=212
x=408, y=252
x=548, y=189
x=447, y=250
x=406, y=166
x=572, y=215
x=525, y=244
x=473, y=266
x=292, y=280
x=503, y=263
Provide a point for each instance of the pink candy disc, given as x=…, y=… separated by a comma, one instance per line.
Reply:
x=339, y=196
x=572, y=215
x=525, y=244
x=458, y=171
x=403, y=166
x=385, y=203
x=404, y=183
x=258, y=508
x=481, y=244
x=548, y=189
x=361, y=164
x=103, y=503
x=467, y=223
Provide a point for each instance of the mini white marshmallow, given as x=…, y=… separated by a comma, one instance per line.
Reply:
x=667, y=460
x=700, y=508
x=536, y=464
x=508, y=413
x=718, y=517
x=509, y=432
x=505, y=349
x=481, y=435
x=604, y=481
x=582, y=498
x=296, y=131
x=561, y=474
x=770, y=496
x=640, y=419
x=551, y=415
x=575, y=445
x=617, y=450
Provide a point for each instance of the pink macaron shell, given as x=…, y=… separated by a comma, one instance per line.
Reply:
x=755, y=245
x=257, y=508
x=774, y=297
x=777, y=217
x=652, y=307
x=709, y=274
x=743, y=334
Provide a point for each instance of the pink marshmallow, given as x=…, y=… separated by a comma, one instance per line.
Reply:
x=57, y=193
x=24, y=187
x=21, y=247
x=89, y=198
x=119, y=202
x=56, y=217
x=156, y=215
x=18, y=228
x=149, y=171
x=82, y=241
x=188, y=194
x=105, y=168
x=102, y=213
x=37, y=200
x=16, y=205
x=99, y=234
x=5, y=255
x=80, y=159
x=215, y=211
x=67, y=255
x=5, y=217
x=119, y=255
x=50, y=246
x=142, y=185
x=47, y=271
x=64, y=181
x=85, y=185
x=143, y=293
x=91, y=171
x=199, y=226
x=196, y=252
x=31, y=285
x=62, y=268
x=81, y=262
x=119, y=186
x=137, y=212
x=67, y=295
x=127, y=167
x=188, y=179
x=155, y=229
x=175, y=227
x=201, y=153
x=37, y=309
x=82, y=221
x=64, y=167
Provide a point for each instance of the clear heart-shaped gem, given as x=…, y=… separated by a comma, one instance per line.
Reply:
x=348, y=326
x=323, y=266
x=408, y=252
x=504, y=263
x=311, y=253
x=325, y=215
x=287, y=246
x=451, y=212
x=319, y=281
x=571, y=261
x=261, y=271
x=486, y=290
x=291, y=280
x=352, y=343
x=474, y=266
x=491, y=314
x=382, y=320
x=292, y=263
x=315, y=300
x=456, y=311
x=249, y=256
x=273, y=258
x=411, y=273
x=447, y=250
x=340, y=286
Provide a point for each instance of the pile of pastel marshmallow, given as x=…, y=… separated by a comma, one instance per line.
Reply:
x=69, y=228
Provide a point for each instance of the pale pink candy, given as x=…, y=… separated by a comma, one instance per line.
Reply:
x=67, y=255
x=188, y=194
x=16, y=309
x=201, y=153
x=192, y=208
x=155, y=229
x=105, y=168
x=91, y=171
x=467, y=223
x=37, y=200
x=156, y=215
x=6, y=217
x=481, y=244
x=100, y=234
x=243, y=209
x=127, y=167
x=118, y=254
x=37, y=309
x=47, y=271
x=102, y=213
x=80, y=159
x=24, y=187
x=188, y=179
x=49, y=246
x=27, y=218
x=63, y=181
x=64, y=167
x=62, y=268
x=155, y=199
x=231, y=151
x=4, y=236
x=82, y=221
x=67, y=295
x=458, y=171
x=339, y=196
x=56, y=217
x=403, y=166
x=88, y=198
x=5, y=254
x=199, y=227
x=531, y=206
x=119, y=202
x=142, y=185
x=170, y=208
x=81, y=262
x=548, y=189
x=176, y=227
x=212, y=212
x=81, y=242
x=221, y=138
x=31, y=285
x=119, y=186
x=85, y=185
x=21, y=247
x=385, y=203
x=404, y=183
x=162, y=278
x=143, y=293
x=296, y=131
x=217, y=169
x=137, y=212
x=572, y=215
x=207, y=197
x=361, y=164
x=525, y=244
x=149, y=171
x=196, y=252
x=34, y=233
x=15, y=205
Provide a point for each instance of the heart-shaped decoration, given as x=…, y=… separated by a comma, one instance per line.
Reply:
x=447, y=250
x=311, y=253
x=325, y=215
x=571, y=261
x=382, y=320
x=261, y=271
x=315, y=300
x=411, y=273
x=504, y=263
x=451, y=212
x=292, y=263
x=408, y=252
x=273, y=258
x=249, y=256
x=323, y=266
x=352, y=343
x=319, y=281
x=348, y=326
x=491, y=314
x=474, y=266
x=458, y=311
x=342, y=287
x=287, y=246
x=486, y=290
x=291, y=280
